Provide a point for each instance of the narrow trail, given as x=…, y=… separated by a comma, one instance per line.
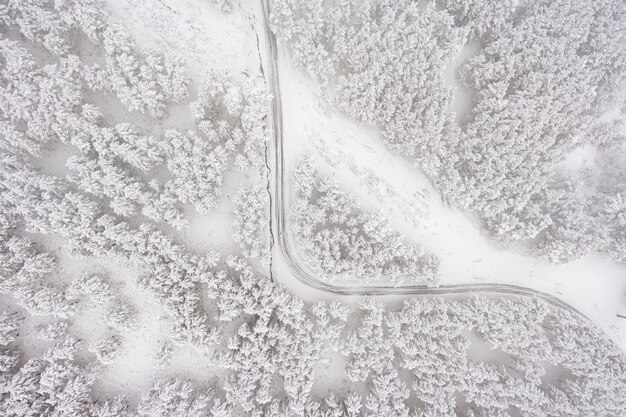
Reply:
x=289, y=253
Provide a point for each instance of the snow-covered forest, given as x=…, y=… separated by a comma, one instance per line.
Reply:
x=340, y=239
x=543, y=78
x=138, y=244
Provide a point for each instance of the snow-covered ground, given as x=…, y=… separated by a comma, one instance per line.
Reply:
x=383, y=180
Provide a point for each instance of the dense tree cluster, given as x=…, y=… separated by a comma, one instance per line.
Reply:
x=47, y=205
x=49, y=102
x=588, y=213
x=566, y=57
x=53, y=384
x=421, y=350
x=114, y=161
x=250, y=228
x=176, y=398
x=277, y=338
x=545, y=73
x=22, y=273
x=231, y=132
x=234, y=115
x=144, y=82
x=339, y=239
x=106, y=349
x=53, y=331
x=607, y=206
x=482, y=18
x=384, y=61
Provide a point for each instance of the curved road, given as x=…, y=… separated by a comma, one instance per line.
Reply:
x=279, y=208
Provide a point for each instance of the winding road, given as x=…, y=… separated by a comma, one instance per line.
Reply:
x=279, y=208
